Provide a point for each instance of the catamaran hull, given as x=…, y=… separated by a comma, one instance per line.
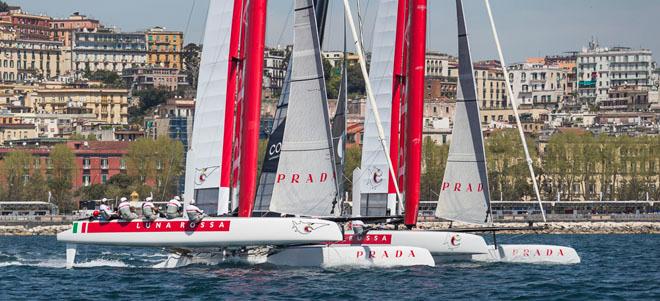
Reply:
x=441, y=245
x=352, y=256
x=539, y=254
x=211, y=232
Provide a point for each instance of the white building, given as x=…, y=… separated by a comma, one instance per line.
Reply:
x=599, y=69
x=438, y=64
x=538, y=84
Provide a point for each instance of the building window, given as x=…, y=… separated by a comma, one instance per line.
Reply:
x=104, y=163
x=86, y=180
x=86, y=163
x=104, y=178
x=122, y=164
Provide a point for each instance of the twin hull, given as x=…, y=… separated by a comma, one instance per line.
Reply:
x=210, y=232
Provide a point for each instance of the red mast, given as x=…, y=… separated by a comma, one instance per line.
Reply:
x=415, y=107
x=235, y=64
x=254, y=63
x=398, y=85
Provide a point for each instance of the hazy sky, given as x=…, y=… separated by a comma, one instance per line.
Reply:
x=526, y=27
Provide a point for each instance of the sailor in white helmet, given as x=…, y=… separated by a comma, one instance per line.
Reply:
x=126, y=210
x=174, y=208
x=105, y=210
x=149, y=211
x=194, y=213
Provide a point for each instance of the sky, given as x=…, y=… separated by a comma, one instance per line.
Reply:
x=527, y=28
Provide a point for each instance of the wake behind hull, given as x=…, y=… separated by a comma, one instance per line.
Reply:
x=211, y=232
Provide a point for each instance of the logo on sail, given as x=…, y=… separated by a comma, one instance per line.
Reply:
x=462, y=187
x=296, y=178
x=306, y=227
x=204, y=173
x=375, y=178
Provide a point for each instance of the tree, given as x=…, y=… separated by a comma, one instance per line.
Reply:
x=150, y=98
x=355, y=80
x=4, y=7
x=191, y=58
x=352, y=161
x=61, y=176
x=155, y=165
x=15, y=173
x=109, y=78
x=434, y=161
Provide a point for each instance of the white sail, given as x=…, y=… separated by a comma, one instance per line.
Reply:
x=464, y=194
x=204, y=156
x=375, y=175
x=304, y=183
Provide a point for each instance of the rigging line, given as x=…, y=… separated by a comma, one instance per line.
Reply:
x=514, y=105
x=286, y=24
x=372, y=100
x=192, y=9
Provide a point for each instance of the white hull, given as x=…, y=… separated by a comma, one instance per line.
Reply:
x=211, y=232
x=352, y=256
x=538, y=254
x=438, y=243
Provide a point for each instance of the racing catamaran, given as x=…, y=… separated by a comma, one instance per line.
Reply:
x=303, y=182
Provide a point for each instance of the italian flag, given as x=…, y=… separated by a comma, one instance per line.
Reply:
x=79, y=227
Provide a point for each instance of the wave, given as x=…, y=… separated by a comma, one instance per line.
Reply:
x=10, y=263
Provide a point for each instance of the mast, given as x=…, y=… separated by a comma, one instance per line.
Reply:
x=254, y=55
x=398, y=89
x=235, y=64
x=514, y=105
x=415, y=108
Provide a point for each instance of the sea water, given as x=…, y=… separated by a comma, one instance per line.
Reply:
x=618, y=267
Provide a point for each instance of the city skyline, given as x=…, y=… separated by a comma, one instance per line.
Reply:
x=548, y=29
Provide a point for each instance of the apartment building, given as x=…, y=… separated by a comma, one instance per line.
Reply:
x=164, y=48
x=538, y=84
x=107, y=49
x=602, y=68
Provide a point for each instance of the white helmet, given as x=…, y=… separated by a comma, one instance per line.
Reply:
x=123, y=199
x=176, y=197
x=192, y=201
x=149, y=199
x=104, y=200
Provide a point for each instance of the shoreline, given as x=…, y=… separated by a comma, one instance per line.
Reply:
x=552, y=228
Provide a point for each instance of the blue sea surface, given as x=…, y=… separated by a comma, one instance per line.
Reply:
x=614, y=267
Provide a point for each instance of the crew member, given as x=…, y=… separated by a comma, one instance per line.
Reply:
x=194, y=213
x=174, y=208
x=105, y=210
x=358, y=228
x=126, y=210
x=149, y=211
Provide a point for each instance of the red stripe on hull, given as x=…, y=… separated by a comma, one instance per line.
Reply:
x=158, y=226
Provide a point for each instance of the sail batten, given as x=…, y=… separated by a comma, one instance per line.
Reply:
x=464, y=194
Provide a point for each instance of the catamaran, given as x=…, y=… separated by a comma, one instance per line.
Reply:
x=299, y=188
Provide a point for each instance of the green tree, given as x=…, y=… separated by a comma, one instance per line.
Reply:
x=149, y=98
x=155, y=166
x=169, y=156
x=61, y=176
x=355, y=80
x=351, y=162
x=109, y=78
x=16, y=168
x=434, y=160
x=4, y=7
